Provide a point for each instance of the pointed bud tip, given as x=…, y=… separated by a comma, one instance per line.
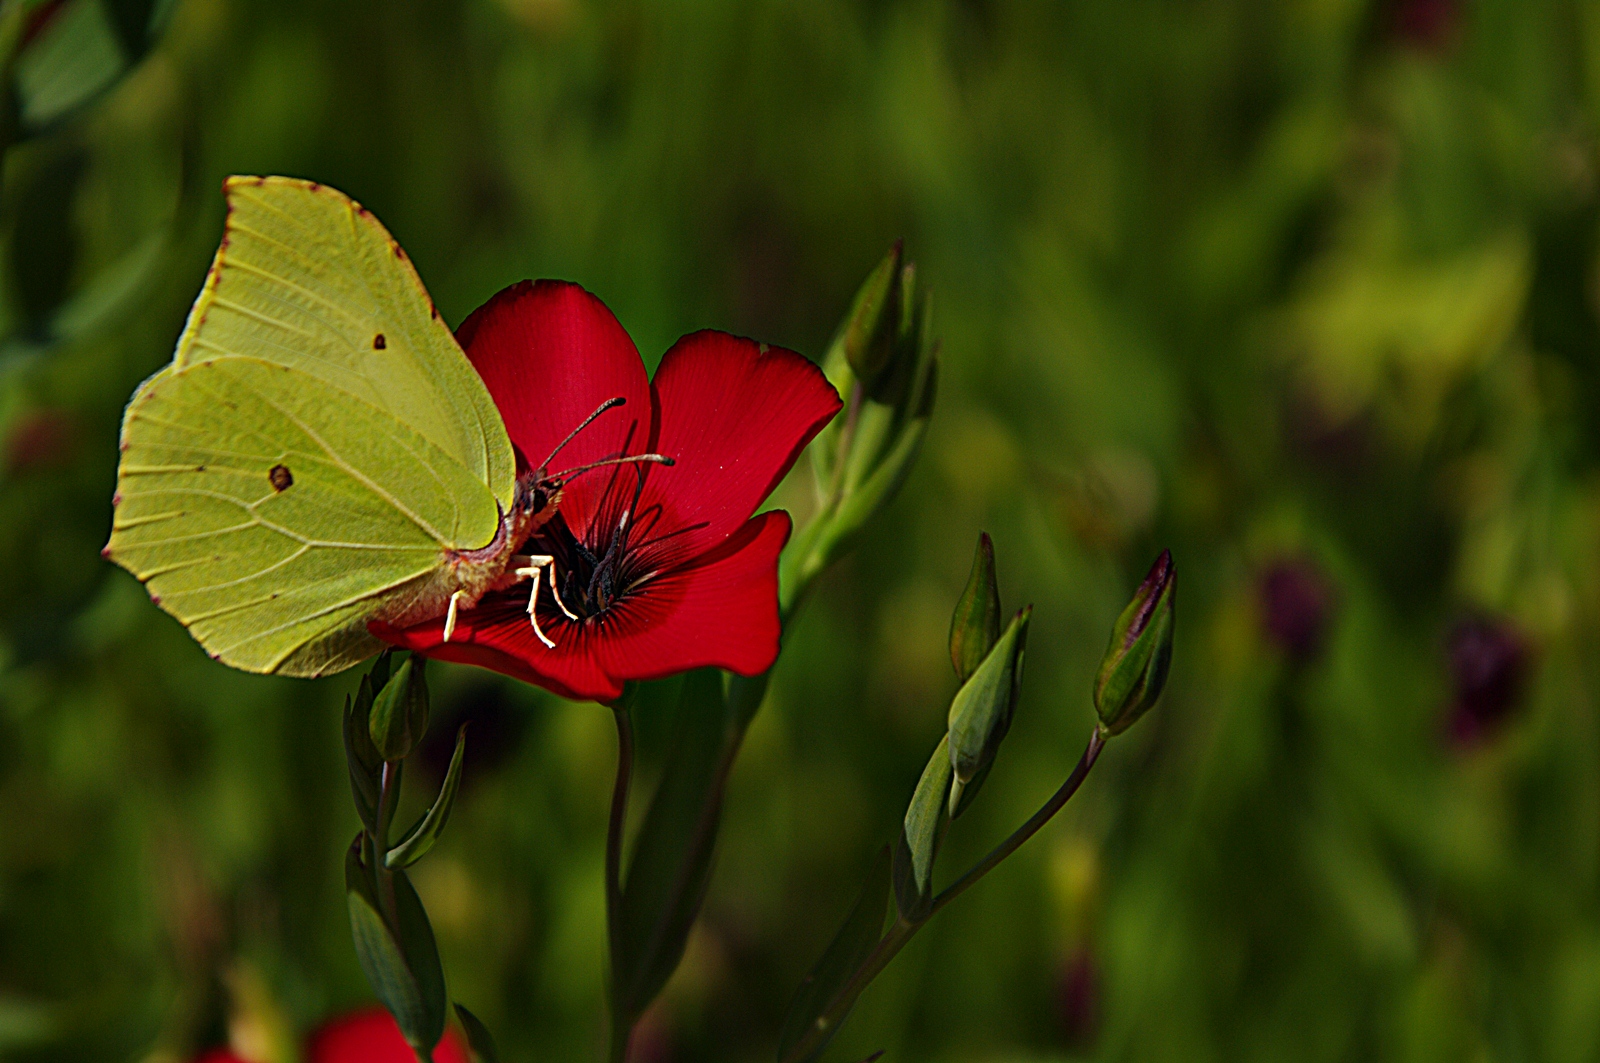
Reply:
x=1134, y=669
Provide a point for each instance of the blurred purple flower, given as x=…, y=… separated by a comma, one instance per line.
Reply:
x=39, y=440
x=1296, y=603
x=652, y=1040
x=1078, y=999
x=1488, y=666
x=1427, y=24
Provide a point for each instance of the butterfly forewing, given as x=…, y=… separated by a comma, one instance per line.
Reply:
x=308, y=279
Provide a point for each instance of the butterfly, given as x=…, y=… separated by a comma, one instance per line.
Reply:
x=319, y=454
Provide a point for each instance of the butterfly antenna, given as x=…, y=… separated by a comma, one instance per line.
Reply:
x=566, y=474
x=587, y=421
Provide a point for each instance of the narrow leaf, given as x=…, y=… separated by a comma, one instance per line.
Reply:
x=849, y=949
x=428, y=830
x=400, y=710
x=920, y=835
x=478, y=1037
x=376, y=948
x=415, y=935
x=400, y=961
x=361, y=757
x=81, y=50
x=975, y=625
x=671, y=863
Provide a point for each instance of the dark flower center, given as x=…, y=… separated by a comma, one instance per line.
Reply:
x=588, y=581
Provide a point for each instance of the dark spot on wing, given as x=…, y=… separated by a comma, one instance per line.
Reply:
x=199, y=468
x=379, y=343
x=280, y=478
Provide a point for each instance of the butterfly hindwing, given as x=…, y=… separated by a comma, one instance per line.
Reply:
x=275, y=515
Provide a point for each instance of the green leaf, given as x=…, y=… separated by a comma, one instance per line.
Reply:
x=980, y=713
x=400, y=960
x=920, y=835
x=850, y=947
x=427, y=831
x=975, y=625
x=400, y=710
x=361, y=756
x=671, y=862
x=83, y=48
x=478, y=1037
x=415, y=935
x=876, y=491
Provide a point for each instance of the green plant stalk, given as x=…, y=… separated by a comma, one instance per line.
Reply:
x=388, y=802
x=904, y=930
x=811, y=560
x=621, y=1023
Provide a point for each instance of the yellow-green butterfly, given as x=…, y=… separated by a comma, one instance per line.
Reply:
x=319, y=454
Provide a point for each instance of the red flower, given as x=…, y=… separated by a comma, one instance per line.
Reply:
x=372, y=1036
x=656, y=569
x=368, y=1036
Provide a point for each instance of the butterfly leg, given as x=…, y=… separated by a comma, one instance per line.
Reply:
x=450, y=617
x=533, y=568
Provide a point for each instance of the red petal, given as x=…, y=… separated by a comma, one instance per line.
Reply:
x=371, y=1036
x=550, y=353
x=719, y=610
x=734, y=417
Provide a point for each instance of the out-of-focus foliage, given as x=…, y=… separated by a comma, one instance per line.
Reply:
x=1304, y=289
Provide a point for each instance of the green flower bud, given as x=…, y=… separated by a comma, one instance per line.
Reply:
x=975, y=625
x=981, y=711
x=399, y=716
x=1134, y=668
x=870, y=330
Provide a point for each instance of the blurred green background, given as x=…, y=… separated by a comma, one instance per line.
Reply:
x=1304, y=289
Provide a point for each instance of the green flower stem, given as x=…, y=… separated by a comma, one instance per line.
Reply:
x=807, y=544
x=904, y=930
x=1091, y=753
x=388, y=802
x=621, y=1024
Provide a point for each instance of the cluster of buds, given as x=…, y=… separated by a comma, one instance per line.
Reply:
x=988, y=662
x=884, y=364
